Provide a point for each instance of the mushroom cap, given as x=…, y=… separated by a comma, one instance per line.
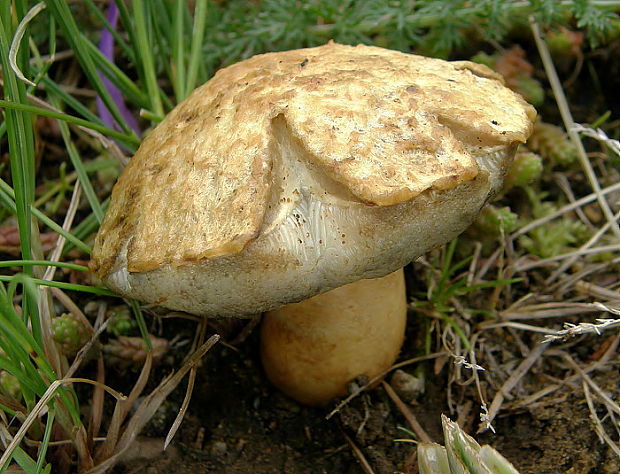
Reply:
x=292, y=173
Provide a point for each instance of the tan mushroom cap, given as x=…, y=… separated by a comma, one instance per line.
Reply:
x=306, y=168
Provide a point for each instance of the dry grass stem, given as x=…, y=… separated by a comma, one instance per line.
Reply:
x=150, y=404
x=598, y=134
x=406, y=412
x=518, y=326
x=66, y=226
x=615, y=309
x=564, y=184
x=572, y=330
x=81, y=355
x=374, y=380
x=41, y=406
x=564, y=210
x=17, y=40
x=121, y=409
x=246, y=331
x=569, y=124
x=575, y=280
x=485, y=419
x=512, y=381
x=547, y=310
x=549, y=389
x=597, y=291
x=471, y=271
x=45, y=304
x=191, y=379
x=96, y=406
x=364, y=464
x=598, y=426
x=578, y=253
x=612, y=405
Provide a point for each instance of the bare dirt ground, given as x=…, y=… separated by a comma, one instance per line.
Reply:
x=238, y=423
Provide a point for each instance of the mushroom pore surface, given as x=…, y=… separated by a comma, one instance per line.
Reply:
x=293, y=173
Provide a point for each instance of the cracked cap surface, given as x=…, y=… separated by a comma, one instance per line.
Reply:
x=371, y=128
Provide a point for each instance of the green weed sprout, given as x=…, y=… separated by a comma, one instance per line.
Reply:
x=554, y=237
x=526, y=168
x=553, y=144
x=461, y=455
x=70, y=333
x=448, y=284
x=9, y=385
x=494, y=221
x=121, y=321
x=517, y=73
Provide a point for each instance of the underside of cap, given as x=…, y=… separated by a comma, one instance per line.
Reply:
x=358, y=130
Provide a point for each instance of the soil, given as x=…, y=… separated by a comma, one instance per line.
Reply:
x=239, y=423
x=557, y=437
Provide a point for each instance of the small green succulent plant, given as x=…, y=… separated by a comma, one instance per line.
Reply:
x=461, y=455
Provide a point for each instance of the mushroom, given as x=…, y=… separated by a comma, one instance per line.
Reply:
x=290, y=174
x=312, y=349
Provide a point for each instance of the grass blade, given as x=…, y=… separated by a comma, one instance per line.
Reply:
x=7, y=197
x=129, y=139
x=118, y=39
x=195, y=57
x=74, y=156
x=42, y=263
x=65, y=286
x=145, y=53
x=78, y=43
x=54, y=89
x=128, y=87
x=49, y=425
x=21, y=153
x=178, y=53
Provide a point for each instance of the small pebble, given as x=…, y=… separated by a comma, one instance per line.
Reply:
x=406, y=385
x=219, y=448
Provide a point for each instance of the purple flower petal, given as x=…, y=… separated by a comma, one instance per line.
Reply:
x=106, y=46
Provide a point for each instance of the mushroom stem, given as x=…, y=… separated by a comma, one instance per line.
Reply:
x=312, y=349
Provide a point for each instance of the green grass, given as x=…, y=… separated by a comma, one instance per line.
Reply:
x=165, y=49
x=27, y=351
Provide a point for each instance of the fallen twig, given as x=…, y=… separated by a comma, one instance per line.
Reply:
x=510, y=383
x=568, y=380
x=379, y=377
x=572, y=330
x=598, y=426
x=406, y=412
x=365, y=465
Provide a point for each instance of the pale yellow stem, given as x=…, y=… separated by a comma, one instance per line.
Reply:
x=311, y=350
